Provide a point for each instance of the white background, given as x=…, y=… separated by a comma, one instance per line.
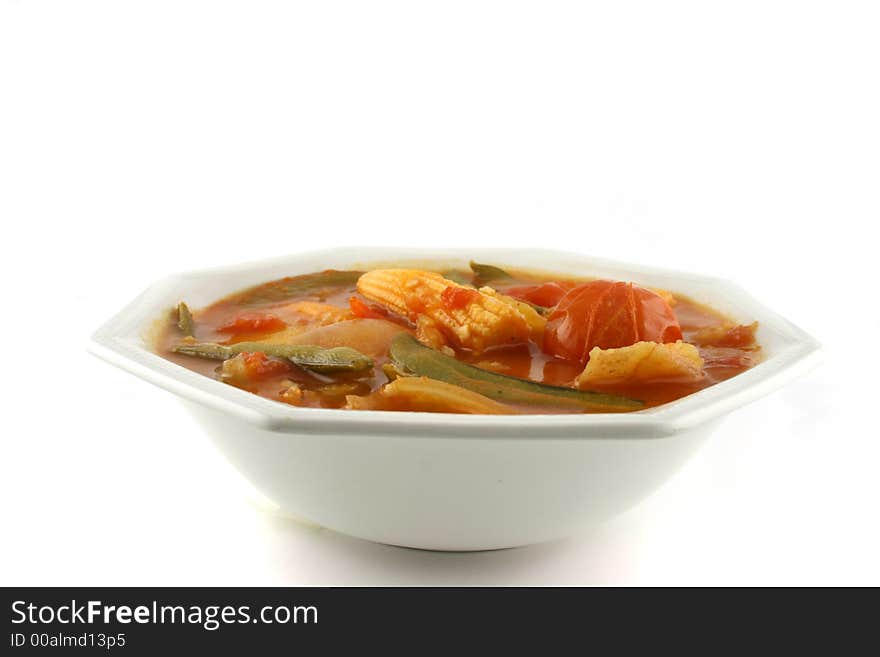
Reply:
x=138, y=139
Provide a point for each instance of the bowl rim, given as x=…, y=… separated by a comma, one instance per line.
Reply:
x=119, y=341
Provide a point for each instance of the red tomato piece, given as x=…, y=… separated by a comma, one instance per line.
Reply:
x=607, y=314
x=366, y=311
x=454, y=297
x=738, y=336
x=253, y=323
x=545, y=294
x=727, y=357
x=259, y=366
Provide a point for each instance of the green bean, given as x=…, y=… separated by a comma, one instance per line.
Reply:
x=460, y=277
x=408, y=353
x=205, y=350
x=185, y=320
x=489, y=273
x=292, y=286
x=310, y=357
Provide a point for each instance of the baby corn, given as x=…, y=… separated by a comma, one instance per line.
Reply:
x=445, y=311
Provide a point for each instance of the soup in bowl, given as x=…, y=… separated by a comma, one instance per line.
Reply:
x=454, y=399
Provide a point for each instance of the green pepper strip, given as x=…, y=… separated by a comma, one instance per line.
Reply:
x=408, y=353
x=185, y=320
x=318, y=359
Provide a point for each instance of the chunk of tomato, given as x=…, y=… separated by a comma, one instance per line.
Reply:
x=454, y=297
x=260, y=366
x=607, y=314
x=253, y=323
x=366, y=311
x=545, y=294
x=727, y=357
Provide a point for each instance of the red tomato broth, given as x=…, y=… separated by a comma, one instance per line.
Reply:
x=524, y=361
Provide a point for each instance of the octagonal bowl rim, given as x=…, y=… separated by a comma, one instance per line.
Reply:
x=121, y=342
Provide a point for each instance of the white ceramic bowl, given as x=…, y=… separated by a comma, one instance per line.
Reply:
x=451, y=482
